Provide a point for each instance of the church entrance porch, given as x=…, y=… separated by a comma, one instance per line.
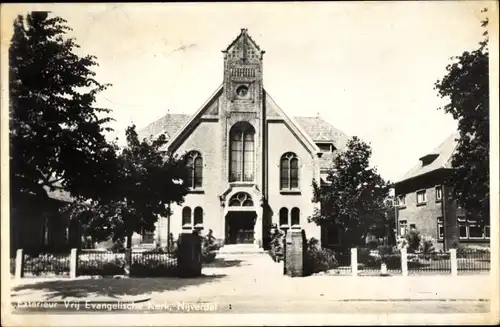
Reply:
x=240, y=227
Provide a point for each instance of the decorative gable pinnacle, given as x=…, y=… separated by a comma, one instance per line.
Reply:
x=246, y=43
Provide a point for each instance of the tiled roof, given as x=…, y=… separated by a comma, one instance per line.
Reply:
x=318, y=129
x=442, y=154
x=169, y=124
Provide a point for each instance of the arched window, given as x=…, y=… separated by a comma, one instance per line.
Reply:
x=289, y=171
x=198, y=216
x=194, y=162
x=242, y=150
x=186, y=216
x=295, y=216
x=283, y=216
x=241, y=199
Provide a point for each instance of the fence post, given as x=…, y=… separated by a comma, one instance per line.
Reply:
x=128, y=261
x=19, y=264
x=72, y=263
x=404, y=262
x=453, y=261
x=354, y=261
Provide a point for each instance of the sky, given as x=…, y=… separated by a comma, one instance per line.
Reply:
x=368, y=68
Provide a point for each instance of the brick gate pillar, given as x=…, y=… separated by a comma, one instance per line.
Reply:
x=189, y=255
x=295, y=252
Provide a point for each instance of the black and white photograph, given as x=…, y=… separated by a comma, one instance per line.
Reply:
x=250, y=163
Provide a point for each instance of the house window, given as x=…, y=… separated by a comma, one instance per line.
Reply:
x=403, y=227
x=413, y=227
x=195, y=166
x=289, y=171
x=295, y=216
x=325, y=147
x=198, y=216
x=242, y=152
x=148, y=237
x=475, y=231
x=439, y=193
x=440, y=228
x=421, y=197
x=401, y=200
x=186, y=216
x=283, y=217
x=462, y=228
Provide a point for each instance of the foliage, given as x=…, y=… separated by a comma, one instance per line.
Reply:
x=46, y=264
x=209, y=247
x=57, y=136
x=276, y=245
x=384, y=254
x=148, y=180
x=318, y=259
x=101, y=265
x=427, y=245
x=154, y=266
x=354, y=198
x=413, y=239
x=466, y=87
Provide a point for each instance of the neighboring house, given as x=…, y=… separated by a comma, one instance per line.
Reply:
x=425, y=202
x=252, y=165
x=39, y=226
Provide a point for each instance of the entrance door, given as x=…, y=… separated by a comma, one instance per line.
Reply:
x=240, y=227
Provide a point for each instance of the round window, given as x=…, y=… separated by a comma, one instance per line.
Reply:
x=242, y=91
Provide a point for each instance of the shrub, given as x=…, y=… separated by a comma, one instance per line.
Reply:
x=159, y=265
x=277, y=245
x=209, y=247
x=46, y=264
x=94, y=264
x=413, y=239
x=427, y=246
x=367, y=258
x=318, y=259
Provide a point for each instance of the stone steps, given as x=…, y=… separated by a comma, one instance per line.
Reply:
x=241, y=249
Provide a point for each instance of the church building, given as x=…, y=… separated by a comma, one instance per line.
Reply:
x=252, y=166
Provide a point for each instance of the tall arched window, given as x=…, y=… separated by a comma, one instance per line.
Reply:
x=295, y=216
x=186, y=216
x=289, y=171
x=198, y=216
x=195, y=165
x=242, y=150
x=283, y=216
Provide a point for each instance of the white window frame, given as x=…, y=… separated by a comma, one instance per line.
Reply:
x=440, y=224
x=403, y=223
x=401, y=200
x=463, y=221
x=424, y=192
x=440, y=189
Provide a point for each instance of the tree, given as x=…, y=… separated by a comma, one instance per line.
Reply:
x=149, y=179
x=355, y=197
x=466, y=86
x=56, y=132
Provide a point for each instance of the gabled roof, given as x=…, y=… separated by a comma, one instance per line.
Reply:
x=439, y=158
x=244, y=34
x=313, y=129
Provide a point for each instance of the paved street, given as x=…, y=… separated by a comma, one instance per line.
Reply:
x=254, y=283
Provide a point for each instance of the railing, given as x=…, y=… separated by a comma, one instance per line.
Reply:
x=153, y=264
x=432, y=263
x=46, y=265
x=473, y=261
x=99, y=263
x=344, y=263
x=371, y=261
